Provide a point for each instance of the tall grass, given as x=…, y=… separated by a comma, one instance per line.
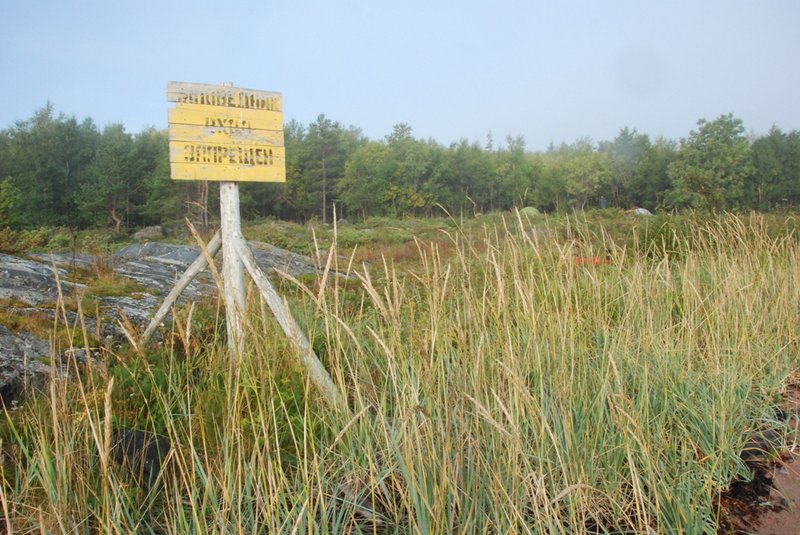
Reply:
x=496, y=386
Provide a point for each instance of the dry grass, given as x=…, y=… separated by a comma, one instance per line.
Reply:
x=498, y=387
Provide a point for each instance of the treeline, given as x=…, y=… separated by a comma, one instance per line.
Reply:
x=56, y=171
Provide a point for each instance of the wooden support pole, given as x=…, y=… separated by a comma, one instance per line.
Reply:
x=191, y=272
x=316, y=371
x=232, y=269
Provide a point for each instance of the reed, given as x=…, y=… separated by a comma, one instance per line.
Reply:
x=496, y=385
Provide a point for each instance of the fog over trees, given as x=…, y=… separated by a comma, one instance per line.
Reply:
x=56, y=170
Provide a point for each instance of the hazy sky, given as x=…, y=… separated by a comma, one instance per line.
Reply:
x=548, y=70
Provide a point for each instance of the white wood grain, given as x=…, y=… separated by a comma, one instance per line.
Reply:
x=224, y=95
x=308, y=359
x=191, y=272
x=232, y=269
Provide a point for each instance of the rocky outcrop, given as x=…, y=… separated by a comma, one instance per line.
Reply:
x=156, y=266
x=29, y=286
x=149, y=233
x=29, y=281
x=270, y=257
x=21, y=365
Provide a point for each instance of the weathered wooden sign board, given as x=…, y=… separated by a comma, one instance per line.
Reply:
x=232, y=135
x=225, y=133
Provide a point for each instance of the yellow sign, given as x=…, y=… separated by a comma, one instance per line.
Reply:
x=225, y=133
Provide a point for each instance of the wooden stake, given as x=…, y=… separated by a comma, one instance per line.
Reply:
x=191, y=272
x=232, y=269
x=236, y=258
x=316, y=371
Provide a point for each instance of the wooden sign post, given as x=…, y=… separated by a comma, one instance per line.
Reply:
x=232, y=267
x=229, y=134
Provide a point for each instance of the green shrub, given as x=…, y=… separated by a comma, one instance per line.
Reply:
x=349, y=237
x=9, y=241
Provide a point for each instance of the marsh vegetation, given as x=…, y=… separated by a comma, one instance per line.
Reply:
x=495, y=385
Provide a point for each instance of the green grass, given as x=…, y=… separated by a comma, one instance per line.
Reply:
x=60, y=239
x=495, y=386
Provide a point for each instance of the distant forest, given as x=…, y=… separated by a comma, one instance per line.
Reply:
x=57, y=171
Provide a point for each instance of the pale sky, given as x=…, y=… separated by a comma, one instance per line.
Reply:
x=546, y=70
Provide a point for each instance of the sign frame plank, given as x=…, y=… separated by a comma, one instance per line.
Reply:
x=224, y=133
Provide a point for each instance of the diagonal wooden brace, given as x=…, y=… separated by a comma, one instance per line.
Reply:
x=316, y=371
x=191, y=272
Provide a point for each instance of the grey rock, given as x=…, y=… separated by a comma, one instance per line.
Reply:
x=79, y=356
x=270, y=258
x=21, y=365
x=157, y=266
x=137, y=309
x=29, y=281
x=177, y=254
x=67, y=261
x=141, y=454
x=642, y=211
x=155, y=232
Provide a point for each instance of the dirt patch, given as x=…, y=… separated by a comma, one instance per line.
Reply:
x=770, y=503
